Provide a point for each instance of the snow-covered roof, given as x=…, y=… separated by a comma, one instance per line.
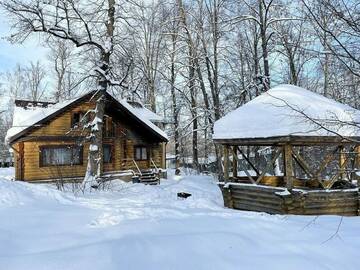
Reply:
x=143, y=118
x=30, y=116
x=25, y=117
x=288, y=110
x=141, y=110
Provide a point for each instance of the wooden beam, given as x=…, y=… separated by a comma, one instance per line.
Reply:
x=289, y=170
x=246, y=171
x=291, y=139
x=357, y=163
x=342, y=160
x=268, y=165
x=303, y=164
x=338, y=174
x=226, y=163
x=235, y=162
x=21, y=163
x=328, y=158
x=248, y=161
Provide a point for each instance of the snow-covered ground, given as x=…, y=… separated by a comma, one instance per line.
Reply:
x=133, y=226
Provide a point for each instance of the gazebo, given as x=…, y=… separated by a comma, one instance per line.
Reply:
x=291, y=121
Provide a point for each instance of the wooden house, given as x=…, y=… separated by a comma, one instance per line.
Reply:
x=292, y=121
x=49, y=140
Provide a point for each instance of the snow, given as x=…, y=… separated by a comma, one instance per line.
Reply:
x=143, y=119
x=283, y=111
x=142, y=111
x=132, y=226
x=93, y=148
x=24, y=118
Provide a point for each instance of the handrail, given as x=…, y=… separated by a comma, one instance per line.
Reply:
x=153, y=163
x=137, y=167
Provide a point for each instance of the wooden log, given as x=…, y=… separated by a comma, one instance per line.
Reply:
x=249, y=197
x=289, y=171
x=235, y=162
x=226, y=163
x=331, y=195
x=227, y=197
x=357, y=163
x=256, y=193
x=346, y=211
x=342, y=163
x=330, y=205
x=258, y=208
x=258, y=188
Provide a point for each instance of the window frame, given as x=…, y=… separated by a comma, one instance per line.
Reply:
x=141, y=147
x=60, y=146
x=81, y=116
x=111, y=153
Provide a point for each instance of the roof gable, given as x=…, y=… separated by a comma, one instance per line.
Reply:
x=28, y=118
x=283, y=111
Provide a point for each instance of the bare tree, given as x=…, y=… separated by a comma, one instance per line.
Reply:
x=85, y=24
x=63, y=58
x=35, y=81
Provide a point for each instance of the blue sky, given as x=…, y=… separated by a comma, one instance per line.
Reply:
x=11, y=54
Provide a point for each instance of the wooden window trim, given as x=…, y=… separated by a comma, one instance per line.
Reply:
x=41, y=147
x=147, y=152
x=109, y=127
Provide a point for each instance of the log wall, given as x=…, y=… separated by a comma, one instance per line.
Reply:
x=57, y=132
x=274, y=200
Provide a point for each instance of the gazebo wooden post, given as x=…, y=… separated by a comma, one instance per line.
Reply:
x=226, y=163
x=235, y=162
x=357, y=164
x=342, y=160
x=288, y=166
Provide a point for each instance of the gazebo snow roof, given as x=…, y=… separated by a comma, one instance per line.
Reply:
x=288, y=113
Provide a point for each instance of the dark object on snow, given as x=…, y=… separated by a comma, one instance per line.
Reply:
x=95, y=186
x=177, y=172
x=183, y=195
x=135, y=179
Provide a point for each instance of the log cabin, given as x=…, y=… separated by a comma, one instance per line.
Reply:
x=49, y=140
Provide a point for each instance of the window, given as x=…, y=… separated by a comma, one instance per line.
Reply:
x=109, y=127
x=107, y=153
x=140, y=153
x=79, y=118
x=61, y=155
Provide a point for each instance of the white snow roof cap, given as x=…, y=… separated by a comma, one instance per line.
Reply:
x=24, y=118
x=142, y=111
x=288, y=110
x=143, y=119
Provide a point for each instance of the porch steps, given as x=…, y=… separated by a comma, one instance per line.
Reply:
x=148, y=177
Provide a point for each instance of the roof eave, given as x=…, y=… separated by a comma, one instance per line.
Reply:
x=290, y=139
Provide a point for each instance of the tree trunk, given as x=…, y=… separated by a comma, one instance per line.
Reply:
x=193, y=113
x=264, y=46
x=174, y=104
x=95, y=161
